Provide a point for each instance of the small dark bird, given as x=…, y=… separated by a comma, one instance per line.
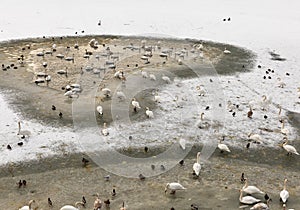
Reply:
x=207, y=108
x=83, y=200
x=99, y=23
x=265, y=116
x=224, y=19
x=269, y=77
x=20, y=143
x=229, y=19
x=259, y=66
x=60, y=114
x=107, y=202
x=50, y=202
x=20, y=184
x=287, y=74
x=243, y=66
x=107, y=177
x=82, y=31
x=233, y=114
x=172, y=208
x=248, y=145
x=84, y=161
x=194, y=207
x=272, y=71
x=152, y=167
x=146, y=149
x=142, y=177
x=162, y=167
x=267, y=72
x=8, y=147
x=76, y=32
x=53, y=108
x=210, y=80
x=242, y=178
x=22, y=137
x=24, y=183
x=250, y=113
x=220, y=105
x=114, y=192
x=136, y=65
x=181, y=162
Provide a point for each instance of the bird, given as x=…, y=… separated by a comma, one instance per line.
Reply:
x=149, y=113
x=50, y=202
x=97, y=202
x=181, y=162
x=256, y=138
x=99, y=109
x=123, y=206
x=264, y=103
x=243, y=178
x=144, y=73
x=53, y=108
x=84, y=161
x=223, y=147
x=8, y=147
x=289, y=148
x=70, y=207
x=105, y=131
x=261, y=206
x=135, y=104
x=106, y=92
x=250, y=113
x=251, y=189
x=121, y=95
x=197, y=166
x=142, y=177
x=83, y=200
x=284, y=194
x=20, y=143
x=166, y=79
x=173, y=187
x=152, y=77
x=248, y=199
x=201, y=92
x=202, y=124
x=107, y=177
x=107, y=202
x=23, y=132
x=20, y=183
x=284, y=130
x=29, y=205
x=60, y=114
x=226, y=51
x=182, y=143
x=156, y=97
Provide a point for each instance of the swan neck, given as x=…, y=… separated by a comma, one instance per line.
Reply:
x=198, y=158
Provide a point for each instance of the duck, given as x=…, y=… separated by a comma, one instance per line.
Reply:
x=197, y=165
x=173, y=186
x=251, y=189
x=250, y=113
x=284, y=194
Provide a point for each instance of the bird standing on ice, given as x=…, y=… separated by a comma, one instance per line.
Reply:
x=223, y=147
x=23, y=132
x=104, y=131
x=197, y=166
x=226, y=51
x=173, y=187
x=284, y=194
x=100, y=110
x=289, y=148
x=149, y=113
x=135, y=104
x=29, y=205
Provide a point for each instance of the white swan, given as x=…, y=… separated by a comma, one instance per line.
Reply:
x=201, y=92
x=256, y=138
x=284, y=194
x=261, y=206
x=69, y=207
x=251, y=189
x=71, y=94
x=104, y=130
x=202, y=124
x=144, y=73
x=97, y=203
x=280, y=84
x=29, y=205
x=247, y=199
x=166, y=79
x=182, y=143
x=265, y=103
x=197, y=166
x=226, y=51
x=173, y=187
x=149, y=113
x=156, y=97
x=284, y=130
x=99, y=109
x=23, y=132
x=289, y=148
x=135, y=104
x=106, y=92
x=223, y=147
x=121, y=95
x=152, y=77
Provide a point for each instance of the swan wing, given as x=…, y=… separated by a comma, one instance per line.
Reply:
x=176, y=186
x=284, y=195
x=291, y=149
x=68, y=207
x=223, y=147
x=252, y=190
x=249, y=200
x=197, y=168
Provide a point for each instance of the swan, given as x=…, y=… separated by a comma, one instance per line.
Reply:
x=144, y=74
x=255, y=137
x=173, y=187
x=201, y=123
x=135, y=104
x=99, y=109
x=29, y=205
x=247, y=199
x=156, y=97
x=265, y=103
x=226, y=51
x=23, y=132
x=71, y=94
x=121, y=95
x=182, y=143
x=149, y=113
x=281, y=84
x=197, y=166
x=251, y=189
x=62, y=71
x=261, y=206
x=166, y=79
x=284, y=194
x=104, y=131
x=284, y=130
x=201, y=92
x=61, y=56
x=97, y=202
x=281, y=118
x=152, y=77
x=223, y=147
x=69, y=207
x=106, y=92
x=289, y=148
x=123, y=206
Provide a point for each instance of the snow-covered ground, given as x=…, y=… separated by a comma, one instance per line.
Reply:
x=259, y=26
